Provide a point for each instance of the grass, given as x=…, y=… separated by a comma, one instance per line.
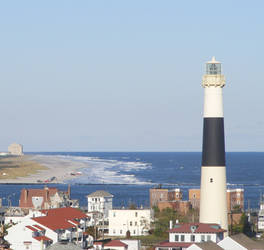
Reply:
x=12, y=167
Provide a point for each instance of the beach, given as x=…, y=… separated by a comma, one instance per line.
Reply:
x=37, y=169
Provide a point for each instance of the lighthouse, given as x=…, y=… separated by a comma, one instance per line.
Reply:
x=213, y=203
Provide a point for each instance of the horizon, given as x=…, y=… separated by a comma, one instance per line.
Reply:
x=126, y=76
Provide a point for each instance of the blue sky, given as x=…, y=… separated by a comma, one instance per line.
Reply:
x=126, y=75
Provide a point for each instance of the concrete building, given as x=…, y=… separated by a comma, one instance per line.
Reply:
x=183, y=235
x=134, y=222
x=213, y=202
x=15, y=149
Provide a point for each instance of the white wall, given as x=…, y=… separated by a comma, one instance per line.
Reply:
x=100, y=204
x=187, y=237
x=137, y=221
x=132, y=244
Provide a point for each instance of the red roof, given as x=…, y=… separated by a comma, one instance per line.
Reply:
x=196, y=228
x=27, y=194
x=174, y=244
x=59, y=218
x=115, y=243
x=38, y=227
x=65, y=212
x=32, y=228
x=44, y=238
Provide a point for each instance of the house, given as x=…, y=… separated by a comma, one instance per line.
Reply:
x=48, y=197
x=100, y=201
x=240, y=242
x=134, y=222
x=54, y=225
x=183, y=235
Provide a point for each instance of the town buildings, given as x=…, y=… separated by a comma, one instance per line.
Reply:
x=45, y=198
x=126, y=222
x=54, y=225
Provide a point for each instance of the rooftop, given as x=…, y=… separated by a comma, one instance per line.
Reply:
x=196, y=228
x=208, y=246
x=115, y=243
x=247, y=242
x=100, y=193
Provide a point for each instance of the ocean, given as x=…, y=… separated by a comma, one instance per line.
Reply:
x=130, y=175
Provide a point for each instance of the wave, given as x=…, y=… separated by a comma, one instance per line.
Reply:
x=96, y=170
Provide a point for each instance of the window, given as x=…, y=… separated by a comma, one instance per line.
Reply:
x=192, y=238
x=208, y=237
x=134, y=231
x=136, y=214
x=176, y=237
x=211, y=180
x=95, y=199
x=120, y=231
x=130, y=223
x=114, y=214
x=135, y=223
x=113, y=231
x=202, y=238
x=182, y=238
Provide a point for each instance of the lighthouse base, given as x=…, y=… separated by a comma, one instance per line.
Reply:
x=213, y=203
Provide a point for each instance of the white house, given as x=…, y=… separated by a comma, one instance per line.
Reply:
x=53, y=226
x=183, y=235
x=129, y=221
x=100, y=201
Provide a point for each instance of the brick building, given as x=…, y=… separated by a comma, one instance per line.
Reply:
x=180, y=206
x=158, y=194
x=235, y=198
x=194, y=197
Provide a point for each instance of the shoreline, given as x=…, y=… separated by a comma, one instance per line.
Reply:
x=43, y=169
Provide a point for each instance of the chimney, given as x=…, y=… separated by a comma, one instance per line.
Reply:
x=171, y=224
x=25, y=194
x=69, y=191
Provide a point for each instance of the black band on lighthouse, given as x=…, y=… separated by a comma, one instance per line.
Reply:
x=213, y=142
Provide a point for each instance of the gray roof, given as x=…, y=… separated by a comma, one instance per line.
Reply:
x=100, y=193
x=247, y=242
x=209, y=246
x=61, y=246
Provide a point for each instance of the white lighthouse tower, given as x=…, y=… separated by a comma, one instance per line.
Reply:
x=213, y=204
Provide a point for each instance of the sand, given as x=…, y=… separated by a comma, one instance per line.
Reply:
x=36, y=169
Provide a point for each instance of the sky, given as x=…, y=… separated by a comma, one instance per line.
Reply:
x=126, y=75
